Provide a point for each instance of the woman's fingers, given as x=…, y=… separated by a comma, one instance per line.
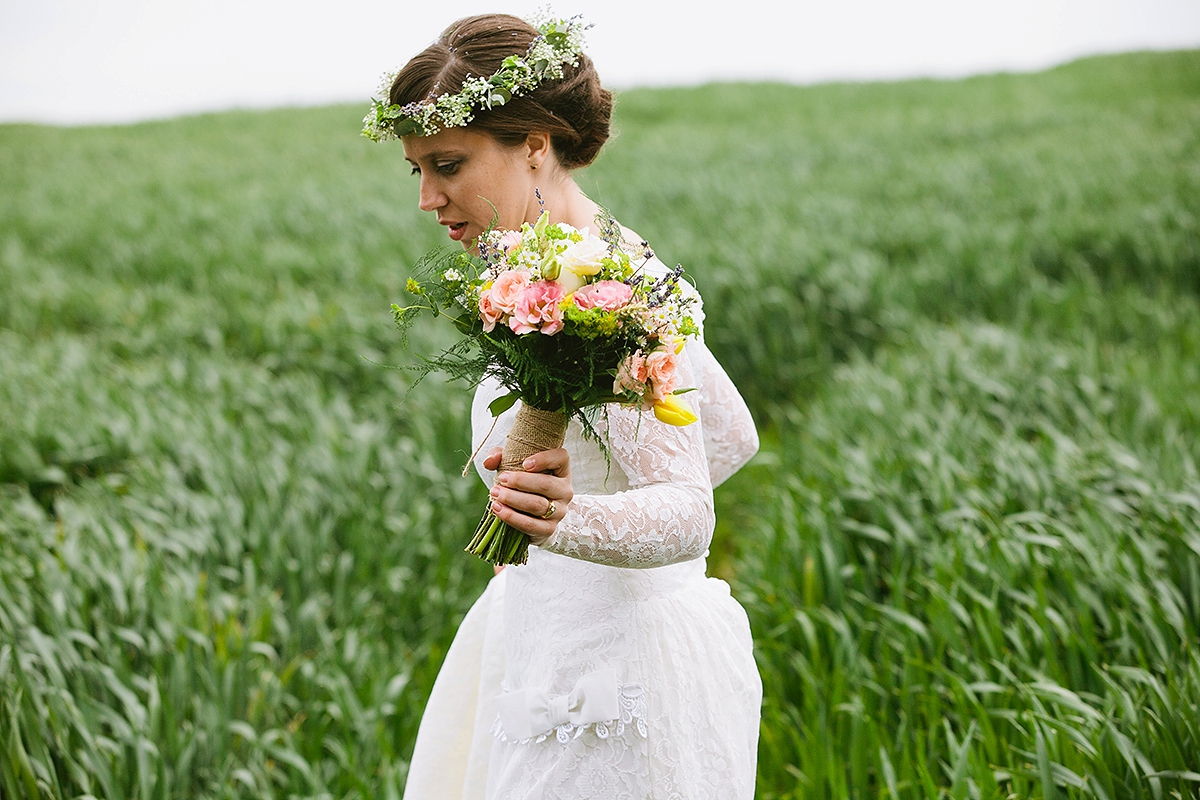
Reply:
x=556, y=462
x=536, y=483
x=538, y=530
x=533, y=502
x=549, y=478
x=535, y=506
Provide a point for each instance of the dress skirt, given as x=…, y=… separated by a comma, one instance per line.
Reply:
x=678, y=646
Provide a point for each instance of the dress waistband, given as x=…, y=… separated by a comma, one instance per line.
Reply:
x=619, y=582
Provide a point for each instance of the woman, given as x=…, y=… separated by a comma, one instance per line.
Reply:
x=608, y=665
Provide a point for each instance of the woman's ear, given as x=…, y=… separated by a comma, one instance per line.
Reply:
x=537, y=149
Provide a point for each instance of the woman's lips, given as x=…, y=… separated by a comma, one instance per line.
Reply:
x=457, y=230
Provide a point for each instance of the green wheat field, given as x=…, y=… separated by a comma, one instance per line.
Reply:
x=966, y=316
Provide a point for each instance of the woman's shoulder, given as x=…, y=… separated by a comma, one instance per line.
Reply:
x=640, y=251
x=631, y=238
x=637, y=246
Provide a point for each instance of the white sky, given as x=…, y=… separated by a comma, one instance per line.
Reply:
x=83, y=61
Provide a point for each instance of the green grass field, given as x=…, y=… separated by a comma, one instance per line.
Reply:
x=965, y=314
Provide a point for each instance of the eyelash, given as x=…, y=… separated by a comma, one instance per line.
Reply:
x=449, y=168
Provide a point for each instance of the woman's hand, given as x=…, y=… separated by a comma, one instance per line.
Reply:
x=522, y=499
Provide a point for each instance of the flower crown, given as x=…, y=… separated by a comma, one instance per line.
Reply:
x=559, y=42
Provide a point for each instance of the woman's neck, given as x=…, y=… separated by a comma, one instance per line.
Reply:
x=567, y=203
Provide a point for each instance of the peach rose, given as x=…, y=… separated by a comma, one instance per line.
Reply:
x=660, y=373
x=507, y=289
x=488, y=311
x=631, y=375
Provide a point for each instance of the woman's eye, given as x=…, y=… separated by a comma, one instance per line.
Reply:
x=416, y=170
x=448, y=167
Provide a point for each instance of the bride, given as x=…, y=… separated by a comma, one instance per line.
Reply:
x=609, y=665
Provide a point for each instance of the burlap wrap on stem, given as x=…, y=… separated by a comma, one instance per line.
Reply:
x=532, y=432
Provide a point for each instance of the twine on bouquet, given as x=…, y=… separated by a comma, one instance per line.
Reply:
x=532, y=432
x=482, y=442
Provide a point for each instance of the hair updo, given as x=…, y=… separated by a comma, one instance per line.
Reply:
x=575, y=110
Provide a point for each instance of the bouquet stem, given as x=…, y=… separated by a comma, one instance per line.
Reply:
x=533, y=431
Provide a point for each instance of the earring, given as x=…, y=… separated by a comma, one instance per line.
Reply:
x=533, y=166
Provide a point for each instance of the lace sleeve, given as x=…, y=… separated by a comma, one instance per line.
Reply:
x=667, y=513
x=730, y=439
x=729, y=435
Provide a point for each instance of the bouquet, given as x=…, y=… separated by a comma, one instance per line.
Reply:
x=567, y=322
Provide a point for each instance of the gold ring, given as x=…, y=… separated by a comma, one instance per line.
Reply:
x=549, y=511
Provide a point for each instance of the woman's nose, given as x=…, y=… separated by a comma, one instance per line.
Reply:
x=432, y=198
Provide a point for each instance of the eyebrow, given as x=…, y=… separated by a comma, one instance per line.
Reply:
x=435, y=155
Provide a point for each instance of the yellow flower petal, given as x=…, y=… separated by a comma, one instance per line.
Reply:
x=585, y=270
x=674, y=411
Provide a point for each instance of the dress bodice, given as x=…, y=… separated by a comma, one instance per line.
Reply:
x=647, y=502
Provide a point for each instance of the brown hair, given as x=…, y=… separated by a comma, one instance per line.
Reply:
x=575, y=111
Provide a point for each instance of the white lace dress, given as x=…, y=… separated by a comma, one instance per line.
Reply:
x=609, y=666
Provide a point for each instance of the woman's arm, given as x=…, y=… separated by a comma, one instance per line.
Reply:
x=730, y=439
x=665, y=516
x=667, y=513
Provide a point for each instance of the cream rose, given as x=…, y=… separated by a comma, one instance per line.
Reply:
x=580, y=261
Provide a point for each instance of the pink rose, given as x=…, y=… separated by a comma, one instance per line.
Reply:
x=508, y=240
x=660, y=373
x=537, y=308
x=608, y=295
x=488, y=311
x=507, y=288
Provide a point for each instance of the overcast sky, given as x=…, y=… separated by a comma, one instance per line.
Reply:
x=83, y=61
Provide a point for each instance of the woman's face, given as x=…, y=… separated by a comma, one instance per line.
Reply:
x=464, y=174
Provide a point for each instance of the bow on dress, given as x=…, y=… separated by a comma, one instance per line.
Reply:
x=529, y=712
